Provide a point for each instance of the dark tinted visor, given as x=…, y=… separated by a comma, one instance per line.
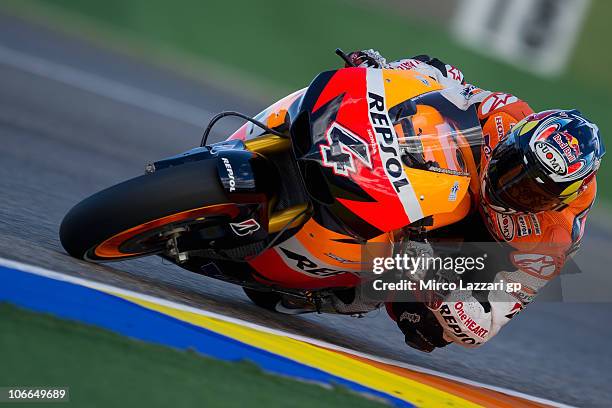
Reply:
x=512, y=184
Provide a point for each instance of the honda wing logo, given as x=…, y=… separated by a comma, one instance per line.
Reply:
x=246, y=227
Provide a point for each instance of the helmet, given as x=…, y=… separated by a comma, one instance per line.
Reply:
x=544, y=163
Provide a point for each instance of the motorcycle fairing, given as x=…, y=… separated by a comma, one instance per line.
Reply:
x=315, y=258
x=352, y=163
x=364, y=204
x=276, y=116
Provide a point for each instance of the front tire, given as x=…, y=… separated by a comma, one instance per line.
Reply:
x=127, y=220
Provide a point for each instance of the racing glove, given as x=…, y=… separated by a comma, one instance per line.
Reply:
x=419, y=325
x=367, y=59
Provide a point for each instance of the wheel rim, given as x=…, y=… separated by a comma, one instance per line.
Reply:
x=111, y=247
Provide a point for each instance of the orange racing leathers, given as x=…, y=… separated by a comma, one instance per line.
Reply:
x=538, y=244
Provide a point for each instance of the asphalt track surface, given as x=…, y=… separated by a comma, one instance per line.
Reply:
x=75, y=119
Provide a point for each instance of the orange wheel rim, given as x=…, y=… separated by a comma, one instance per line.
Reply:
x=110, y=248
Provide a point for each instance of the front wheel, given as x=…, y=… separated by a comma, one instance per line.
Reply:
x=138, y=217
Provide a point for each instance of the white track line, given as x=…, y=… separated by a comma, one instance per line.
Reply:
x=108, y=88
x=36, y=270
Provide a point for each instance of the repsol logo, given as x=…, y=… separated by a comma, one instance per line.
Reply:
x=230, y=174
x=312, y=268
x=389, y=148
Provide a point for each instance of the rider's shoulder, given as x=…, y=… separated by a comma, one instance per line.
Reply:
x=500, y=102
x=529, y=231
x=547, y=230
x=567, y=224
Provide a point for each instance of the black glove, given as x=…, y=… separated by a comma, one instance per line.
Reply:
x=420, y=327
x=367, y=59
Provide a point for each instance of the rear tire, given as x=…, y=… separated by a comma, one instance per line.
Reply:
x=94, y=228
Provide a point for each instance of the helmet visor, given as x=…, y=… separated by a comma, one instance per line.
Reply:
x=511, y=185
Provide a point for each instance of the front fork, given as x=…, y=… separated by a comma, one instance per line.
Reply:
x=294, y=216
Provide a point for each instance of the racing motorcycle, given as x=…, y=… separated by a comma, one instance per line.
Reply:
x=285, y=205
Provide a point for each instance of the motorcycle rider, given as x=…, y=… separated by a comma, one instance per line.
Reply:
x=536, y=184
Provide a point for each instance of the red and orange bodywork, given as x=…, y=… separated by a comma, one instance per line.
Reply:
x=317, y=257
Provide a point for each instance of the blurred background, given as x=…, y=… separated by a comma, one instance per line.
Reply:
x=551, y=53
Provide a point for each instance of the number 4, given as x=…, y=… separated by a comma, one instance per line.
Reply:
x=343, y=147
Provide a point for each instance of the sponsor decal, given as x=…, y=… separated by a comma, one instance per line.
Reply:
x=455, y=326
x=523, y=226
x=407, y=64
x=524, y=295
x=535, y=224
x=453, y=193
x=389, y=150
x=515, y=310
x=559, y=151
x=448, y=171
x=499, y=127
x=246, y=227
x=344, y=146
x=410, y=317
x=469, y=91
x=550, y=157
x=543, y=266
x=230, y=174
x=469, y=322
x=338, y=258
x=423, y=79
x=454, y=73
x=569, y=145
x=308, y=266
x=496, y=101
x=505, y=225
x=486, y=146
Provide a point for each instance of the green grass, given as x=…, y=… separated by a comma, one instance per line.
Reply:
x=288, y=43
x=104, y=369
x=592, y=59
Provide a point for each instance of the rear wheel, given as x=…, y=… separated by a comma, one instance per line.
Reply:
x=139, y=216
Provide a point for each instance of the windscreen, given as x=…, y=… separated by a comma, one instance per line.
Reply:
x=436, y=135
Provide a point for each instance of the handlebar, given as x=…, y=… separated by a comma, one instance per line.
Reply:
x=345, y=57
